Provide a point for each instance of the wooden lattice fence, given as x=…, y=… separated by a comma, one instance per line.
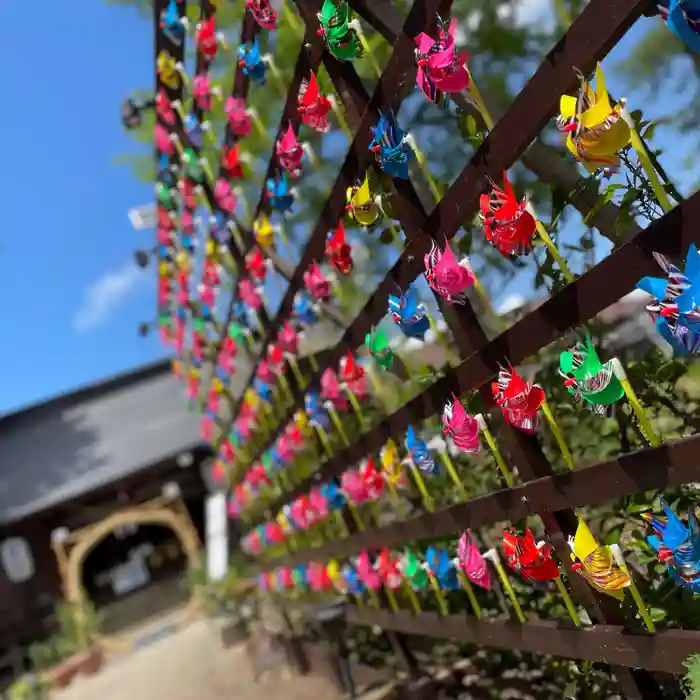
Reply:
x=602, y=629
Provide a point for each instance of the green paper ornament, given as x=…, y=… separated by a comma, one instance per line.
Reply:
x=190, y=162
x=416, y=575
x=235, y=331
x=377, y=344
x=588, y=379
x=343, y=41
x=164, y=194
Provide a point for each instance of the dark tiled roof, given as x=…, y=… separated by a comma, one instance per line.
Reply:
x=78, y=442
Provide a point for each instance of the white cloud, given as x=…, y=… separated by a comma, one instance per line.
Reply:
x=104, y=295
x=510, y=303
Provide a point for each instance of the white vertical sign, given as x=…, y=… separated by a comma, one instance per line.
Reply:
x=143, y=217
x=216, y=532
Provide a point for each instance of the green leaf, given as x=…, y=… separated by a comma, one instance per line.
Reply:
x=386, y=236
x=470, y=125
x=559, y=201
x=603, y=199
x=657, y=614
x=636, y=115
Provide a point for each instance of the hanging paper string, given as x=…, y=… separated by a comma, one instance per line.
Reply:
x=441, y=70
x=601, y=385
x=263, y=13
x=389, y=145
x=677, y=545
x=675, y=309
x=533, y=560
x=493, y=555
x=313, y=106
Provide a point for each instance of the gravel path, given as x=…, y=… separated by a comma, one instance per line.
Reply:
x=192, y=665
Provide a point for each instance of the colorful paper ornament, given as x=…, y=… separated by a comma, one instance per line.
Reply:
x=595, y=129
x=677, y=545
x=675, y=309
x=441, y=70
x=449, y=278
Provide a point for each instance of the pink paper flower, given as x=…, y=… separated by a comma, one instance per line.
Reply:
x=449, y=278
x=463, y=428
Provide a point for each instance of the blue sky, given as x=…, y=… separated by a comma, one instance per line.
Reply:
x=72, y=296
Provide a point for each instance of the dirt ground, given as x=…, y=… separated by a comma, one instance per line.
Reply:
x=191, y=664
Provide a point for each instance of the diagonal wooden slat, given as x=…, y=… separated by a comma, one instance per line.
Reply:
x=574, y=305
x=394, y=84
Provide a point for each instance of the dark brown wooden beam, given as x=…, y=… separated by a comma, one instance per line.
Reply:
x=672, y=464
x=394, y=85
x=578, y=302
x=665, y=651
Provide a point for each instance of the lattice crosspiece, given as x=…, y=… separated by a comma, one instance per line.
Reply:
x=342, y=507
